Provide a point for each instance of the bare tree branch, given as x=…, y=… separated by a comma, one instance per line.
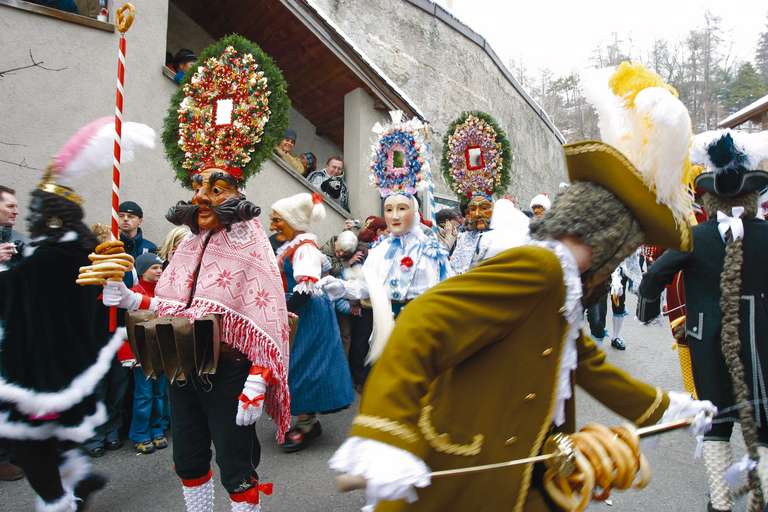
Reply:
x=23, y=164
x=35, y=64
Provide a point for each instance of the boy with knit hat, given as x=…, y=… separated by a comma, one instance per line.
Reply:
x=149, y=422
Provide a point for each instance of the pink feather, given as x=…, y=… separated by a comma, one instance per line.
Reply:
x=77, y=142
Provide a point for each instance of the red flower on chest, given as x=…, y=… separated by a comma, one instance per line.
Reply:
x=406, y=262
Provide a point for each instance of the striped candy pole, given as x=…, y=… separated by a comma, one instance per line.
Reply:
x=125, y=17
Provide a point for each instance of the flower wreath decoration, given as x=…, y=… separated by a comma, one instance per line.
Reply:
x=400, y=161
x=229, y=112
x=476, y=156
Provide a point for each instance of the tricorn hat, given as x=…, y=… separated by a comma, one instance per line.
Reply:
x=730, y=159
x=643, y=158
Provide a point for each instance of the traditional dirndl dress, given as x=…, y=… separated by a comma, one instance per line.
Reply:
x=319, y=376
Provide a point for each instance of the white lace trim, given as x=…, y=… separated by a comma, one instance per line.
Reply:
x=574, y=315
x=295, y=242
x=391, y=473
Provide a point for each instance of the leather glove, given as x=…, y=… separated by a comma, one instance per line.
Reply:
x=682, y=406
x=333, y=287
x=117, y=294
x=251, y=402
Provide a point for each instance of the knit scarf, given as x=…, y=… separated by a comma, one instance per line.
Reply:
x=235, y=276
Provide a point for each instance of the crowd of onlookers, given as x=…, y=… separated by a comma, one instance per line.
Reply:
x=137, y=407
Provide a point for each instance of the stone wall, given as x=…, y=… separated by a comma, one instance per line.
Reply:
x=445, y=68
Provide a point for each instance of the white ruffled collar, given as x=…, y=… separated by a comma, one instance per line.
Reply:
x=573, y=312
x=296, y=241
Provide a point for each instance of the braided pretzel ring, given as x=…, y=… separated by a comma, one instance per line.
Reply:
x=125, y=16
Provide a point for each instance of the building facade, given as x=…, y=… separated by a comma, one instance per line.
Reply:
x=347, y=63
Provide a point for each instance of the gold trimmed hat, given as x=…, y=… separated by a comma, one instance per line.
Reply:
x=643, y=156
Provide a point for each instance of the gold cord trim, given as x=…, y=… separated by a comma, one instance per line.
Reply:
x=655, y=405
x=442, y=442
x=385, y=425
x=602, y=147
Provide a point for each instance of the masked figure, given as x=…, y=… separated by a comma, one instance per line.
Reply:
x=55, y=345
x=408, y=261
x=427, y=405
x=476, y=170
x=222, y=323
x=725, y=285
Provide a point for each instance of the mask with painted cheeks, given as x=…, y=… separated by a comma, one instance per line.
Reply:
x=399, y=214
x=284, y=232
x=212, y=187
x=479, y=212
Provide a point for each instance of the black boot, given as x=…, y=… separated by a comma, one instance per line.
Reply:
x=88, y=486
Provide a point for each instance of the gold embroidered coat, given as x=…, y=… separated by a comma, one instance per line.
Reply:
x=469, y=377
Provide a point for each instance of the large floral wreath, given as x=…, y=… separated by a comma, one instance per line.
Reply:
x=476, y=156
x=399, y=164
x=230, y=111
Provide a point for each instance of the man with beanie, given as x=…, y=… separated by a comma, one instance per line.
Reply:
x=726, y=288
x=131, y=218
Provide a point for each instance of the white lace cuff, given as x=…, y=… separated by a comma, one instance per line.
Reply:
x=391, y=473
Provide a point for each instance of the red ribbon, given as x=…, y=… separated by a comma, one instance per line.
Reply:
x=266, y=373
x=254, y=402
x=316, y=198
x=252, y=495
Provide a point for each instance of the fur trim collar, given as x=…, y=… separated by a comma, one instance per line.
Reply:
x=38, y=403
x=78, y=434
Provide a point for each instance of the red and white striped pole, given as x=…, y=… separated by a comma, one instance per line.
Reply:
x=125, y=16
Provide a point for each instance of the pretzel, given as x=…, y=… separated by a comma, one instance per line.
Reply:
x=604, y=458
x=86, y=281
x=121, y=256
x=109, y=244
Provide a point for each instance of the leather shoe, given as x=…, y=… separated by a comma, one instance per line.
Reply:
x=88, y=486
x=10, y=472
x=113, y=445
x=94, y=451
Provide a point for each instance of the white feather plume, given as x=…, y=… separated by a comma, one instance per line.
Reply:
x=97, y=154
x=655, y=135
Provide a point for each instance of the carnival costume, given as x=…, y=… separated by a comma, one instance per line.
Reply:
x=475, y=164
x=726, y=284
x=221, y=296
x=55, y=345
x=408, y=261
x=319, y=377
x=427, y=404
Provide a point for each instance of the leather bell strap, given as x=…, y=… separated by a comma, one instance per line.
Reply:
x=732, y=224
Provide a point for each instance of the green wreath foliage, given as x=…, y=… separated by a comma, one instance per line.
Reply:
x=279, y=105
x=501, y=137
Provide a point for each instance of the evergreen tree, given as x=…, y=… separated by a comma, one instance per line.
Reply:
x=761, y=55
x=746, y=87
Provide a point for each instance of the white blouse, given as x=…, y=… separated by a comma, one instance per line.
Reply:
x=428, y=266
x=307, y=263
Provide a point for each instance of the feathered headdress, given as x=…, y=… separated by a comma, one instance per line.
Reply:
x=643, y=156
x=476, y=156
x=91, y=150
x=229, y=113
x=730, y=159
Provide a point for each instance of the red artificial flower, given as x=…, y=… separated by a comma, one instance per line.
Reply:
x=406, y=262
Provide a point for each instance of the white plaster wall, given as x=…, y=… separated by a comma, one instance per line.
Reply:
x=41, y=109
x=308, y=140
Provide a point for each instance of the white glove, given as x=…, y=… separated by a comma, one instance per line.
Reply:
x=682, y=406
x=391, y=473
x=332, y=287
x=117, y=294
x=617, y=290
x=251, y=402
